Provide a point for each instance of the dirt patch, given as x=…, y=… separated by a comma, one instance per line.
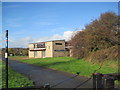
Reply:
x=19, y=57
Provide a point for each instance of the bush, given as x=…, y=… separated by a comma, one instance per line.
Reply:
x=105, y=54
x=81, y=53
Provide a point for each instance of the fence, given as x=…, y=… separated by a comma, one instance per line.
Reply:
x=102, y=81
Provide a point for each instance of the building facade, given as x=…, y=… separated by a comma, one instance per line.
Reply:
x=55, y=48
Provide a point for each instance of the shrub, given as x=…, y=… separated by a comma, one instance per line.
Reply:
x=105, y=54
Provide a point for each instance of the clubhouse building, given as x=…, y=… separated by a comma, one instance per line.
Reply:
x=54, y=48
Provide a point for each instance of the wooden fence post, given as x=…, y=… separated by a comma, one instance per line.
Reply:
x=108, y=82
x=97, y=81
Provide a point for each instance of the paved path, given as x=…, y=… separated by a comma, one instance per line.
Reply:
x=55, y=78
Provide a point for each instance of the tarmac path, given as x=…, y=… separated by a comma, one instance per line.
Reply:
x=55, y=78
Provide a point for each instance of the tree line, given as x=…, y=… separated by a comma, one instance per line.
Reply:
x=16, y=51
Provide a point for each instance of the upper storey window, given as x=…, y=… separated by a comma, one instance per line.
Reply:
x=39, y=45
x=35, y=45
x=58, y=43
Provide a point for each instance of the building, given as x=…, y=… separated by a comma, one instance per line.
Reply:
x=55, y=48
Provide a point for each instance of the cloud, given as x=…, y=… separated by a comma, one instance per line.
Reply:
x=55, y=30
x=67, y=35
x=23, y=42
x=56, y=36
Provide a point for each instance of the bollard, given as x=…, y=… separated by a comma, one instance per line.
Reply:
x=108, y=82
x=97, y=81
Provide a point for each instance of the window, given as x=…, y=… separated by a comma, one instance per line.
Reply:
x=35, y=45
x=58, y=43
x=59, y=50
x=38, y=46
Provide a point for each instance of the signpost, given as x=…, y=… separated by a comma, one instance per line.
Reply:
x=6, y=56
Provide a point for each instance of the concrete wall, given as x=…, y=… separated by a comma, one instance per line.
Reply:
x=39, y=53
x=49, y=49
x=31, y=46
x=59, y=47
x=31, y=54
x=59, y=50
x=59, y=54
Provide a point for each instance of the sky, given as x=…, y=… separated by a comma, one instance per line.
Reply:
x=60, y=0
x=30, y=22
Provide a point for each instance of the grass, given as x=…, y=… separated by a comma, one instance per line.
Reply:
x=69, y=64
x=14, y=79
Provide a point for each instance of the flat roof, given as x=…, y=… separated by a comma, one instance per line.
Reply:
x=55, y=40
x=36, y=43
x=48, y=41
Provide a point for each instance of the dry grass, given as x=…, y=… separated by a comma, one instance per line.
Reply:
x=18, y=57
x=104, y=54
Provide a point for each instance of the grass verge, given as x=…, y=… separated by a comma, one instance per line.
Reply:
x=69, y=64
x=15, y=79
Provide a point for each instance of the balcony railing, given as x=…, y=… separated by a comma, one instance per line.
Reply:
x=36, y=48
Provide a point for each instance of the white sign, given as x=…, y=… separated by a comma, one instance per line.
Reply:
x=6, y=55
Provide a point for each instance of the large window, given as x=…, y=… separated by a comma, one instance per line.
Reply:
x=39, y=45
x=58, y=43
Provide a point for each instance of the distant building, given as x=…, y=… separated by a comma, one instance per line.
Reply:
x=55, y=48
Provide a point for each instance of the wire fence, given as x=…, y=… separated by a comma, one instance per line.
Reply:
x=64, y=81
x=90, y=77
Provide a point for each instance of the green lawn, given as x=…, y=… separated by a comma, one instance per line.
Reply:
x=69, y=64
x=15, y=79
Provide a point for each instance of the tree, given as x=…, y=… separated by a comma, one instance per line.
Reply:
x=10, y=51
x=99, y=34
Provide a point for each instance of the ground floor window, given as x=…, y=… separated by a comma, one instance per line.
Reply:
x=43, y=54
x=35, y=54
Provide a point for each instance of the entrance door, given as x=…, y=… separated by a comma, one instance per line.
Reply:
x=43, y=54
x=35, y=54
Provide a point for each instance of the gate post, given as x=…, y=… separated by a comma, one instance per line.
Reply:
x=97, y=81
x=6, y=56
x=108, y=82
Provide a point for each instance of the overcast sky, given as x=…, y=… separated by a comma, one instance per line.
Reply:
x=30, y=22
